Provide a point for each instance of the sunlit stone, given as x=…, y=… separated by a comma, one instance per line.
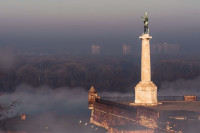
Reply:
x=145, y=90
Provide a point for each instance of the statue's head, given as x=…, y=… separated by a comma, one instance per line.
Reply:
x=145, y=14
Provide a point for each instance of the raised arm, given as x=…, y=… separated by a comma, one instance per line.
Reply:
x=143, y=18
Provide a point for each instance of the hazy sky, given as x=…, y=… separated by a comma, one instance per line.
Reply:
x=106, y=22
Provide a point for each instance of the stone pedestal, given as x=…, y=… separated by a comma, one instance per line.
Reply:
x=145, y=90
x=146, y=93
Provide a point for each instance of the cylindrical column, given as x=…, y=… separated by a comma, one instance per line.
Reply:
x=145, y=58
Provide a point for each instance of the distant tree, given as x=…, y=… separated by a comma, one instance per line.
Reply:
x=28, y=74
x=8, y=110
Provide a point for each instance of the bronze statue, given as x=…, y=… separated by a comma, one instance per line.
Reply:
x=146, y=27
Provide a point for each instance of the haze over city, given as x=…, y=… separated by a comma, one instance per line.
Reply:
x=76, y=24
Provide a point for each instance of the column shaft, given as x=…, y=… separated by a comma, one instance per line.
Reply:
x=145, y=61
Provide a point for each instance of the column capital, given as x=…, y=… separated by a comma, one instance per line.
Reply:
x=145, y=36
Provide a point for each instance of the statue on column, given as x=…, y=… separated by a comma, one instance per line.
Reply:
x=146, y=26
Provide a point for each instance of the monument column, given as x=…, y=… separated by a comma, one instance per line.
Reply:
x=145, y=58
x=145, y=90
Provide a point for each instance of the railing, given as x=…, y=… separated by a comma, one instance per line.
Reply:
x=132, y=98
x=170, y=98
x=118, y=99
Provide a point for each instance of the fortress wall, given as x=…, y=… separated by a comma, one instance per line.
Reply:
x=109, y=114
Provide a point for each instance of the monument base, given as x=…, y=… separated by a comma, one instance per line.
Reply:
x=145, y=104
x=146, y=94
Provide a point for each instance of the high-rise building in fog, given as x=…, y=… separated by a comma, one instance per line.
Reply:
x=126, y=49
x=165, y=48
x=95, y=49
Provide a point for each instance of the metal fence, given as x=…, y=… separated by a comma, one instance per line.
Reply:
x=118, y=99
x=132, y=98
x=170, y=98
